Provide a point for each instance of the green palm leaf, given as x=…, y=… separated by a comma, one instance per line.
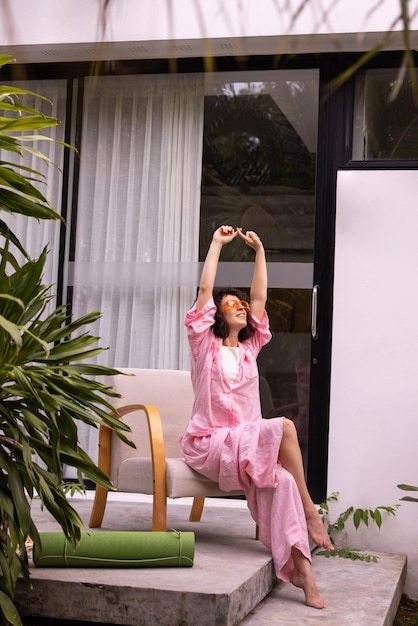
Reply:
x=47, y=382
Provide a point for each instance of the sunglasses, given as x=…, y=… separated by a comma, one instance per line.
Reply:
x=233, y=305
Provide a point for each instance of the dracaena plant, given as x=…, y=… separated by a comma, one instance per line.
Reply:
x=47, y=385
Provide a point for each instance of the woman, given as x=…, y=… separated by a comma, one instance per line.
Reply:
x=227, y=440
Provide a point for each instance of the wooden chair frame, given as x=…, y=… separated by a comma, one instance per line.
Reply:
x=159, y=465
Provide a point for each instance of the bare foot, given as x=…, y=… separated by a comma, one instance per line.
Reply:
x=317, y=531
x=304, y=579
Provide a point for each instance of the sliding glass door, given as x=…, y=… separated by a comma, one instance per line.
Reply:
x=259, y=168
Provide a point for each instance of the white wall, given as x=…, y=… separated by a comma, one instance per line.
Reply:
x=43, y=30
x=130, y=20
x=374, y=374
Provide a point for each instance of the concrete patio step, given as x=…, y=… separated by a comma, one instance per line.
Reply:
x=231, y=582
x=357, y=594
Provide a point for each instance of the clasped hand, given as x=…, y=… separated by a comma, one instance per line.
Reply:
x=225, y=234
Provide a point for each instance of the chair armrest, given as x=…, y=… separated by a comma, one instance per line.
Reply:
x=158, y=459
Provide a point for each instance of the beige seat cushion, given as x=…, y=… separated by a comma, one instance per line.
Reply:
x=135, y=476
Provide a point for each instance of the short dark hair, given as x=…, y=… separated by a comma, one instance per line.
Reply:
x=220, y=328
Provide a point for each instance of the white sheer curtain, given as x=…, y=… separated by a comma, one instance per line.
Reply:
x=34, y=234
x=137, y=225
x=138, y=214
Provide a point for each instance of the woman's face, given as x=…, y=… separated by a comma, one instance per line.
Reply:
x=234, y=311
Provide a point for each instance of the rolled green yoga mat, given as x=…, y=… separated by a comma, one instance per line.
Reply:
x=116, y=549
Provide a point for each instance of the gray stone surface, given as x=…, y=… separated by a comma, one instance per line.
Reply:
x=232, y=573
x=357, y=594
x=231, y=582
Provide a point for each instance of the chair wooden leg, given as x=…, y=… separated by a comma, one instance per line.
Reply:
x=197, y=509
x=159, y=512
x=257, y=532
x=99, y=505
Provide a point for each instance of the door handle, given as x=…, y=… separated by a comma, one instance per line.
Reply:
x=314, y=312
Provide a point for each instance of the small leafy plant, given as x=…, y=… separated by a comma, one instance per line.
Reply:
x=358, y=517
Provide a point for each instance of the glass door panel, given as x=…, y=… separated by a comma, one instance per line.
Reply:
x=385, y=116
x=259, y=167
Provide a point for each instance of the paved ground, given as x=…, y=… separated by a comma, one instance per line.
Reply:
x=231, y=575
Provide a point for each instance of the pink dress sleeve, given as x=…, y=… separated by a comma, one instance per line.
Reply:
x=198, y=324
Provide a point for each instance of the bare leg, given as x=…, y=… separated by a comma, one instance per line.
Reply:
x=304, y=579
x=291, y=458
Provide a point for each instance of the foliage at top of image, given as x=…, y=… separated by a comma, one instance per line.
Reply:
x=408, y=488
x=47, y=385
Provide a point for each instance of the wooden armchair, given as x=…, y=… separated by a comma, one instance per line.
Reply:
x=157, y=405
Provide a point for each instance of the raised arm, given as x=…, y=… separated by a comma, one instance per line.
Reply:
x=258, y=292
x=221, y=236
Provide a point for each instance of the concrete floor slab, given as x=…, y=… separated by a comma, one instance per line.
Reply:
x=232, y=573
x=357, y=593
x=231, y=582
